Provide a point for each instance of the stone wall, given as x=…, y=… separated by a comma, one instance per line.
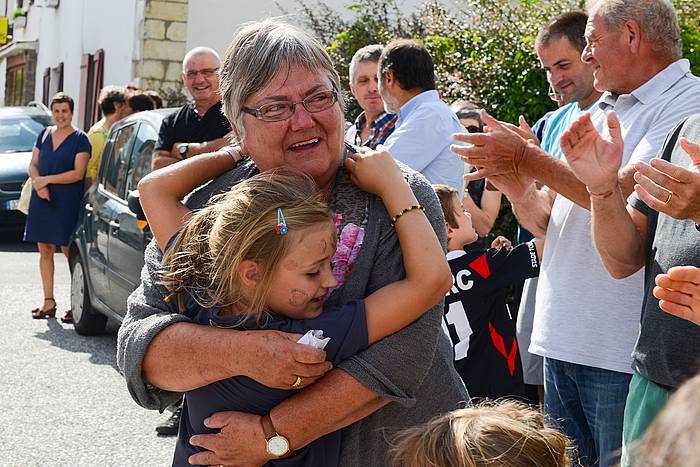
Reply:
x=163, y=45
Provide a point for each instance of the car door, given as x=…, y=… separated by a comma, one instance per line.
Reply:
x=129, y=240
x=96, y=223
x=109, y=203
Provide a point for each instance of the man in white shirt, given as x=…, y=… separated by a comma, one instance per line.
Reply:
x=425, y=124
x=586, y=323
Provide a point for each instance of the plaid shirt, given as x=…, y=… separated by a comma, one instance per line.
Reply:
x=379, y=130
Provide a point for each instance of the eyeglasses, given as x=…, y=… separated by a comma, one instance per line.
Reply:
x=474, y=129
x=282, y=110
x=205, y=72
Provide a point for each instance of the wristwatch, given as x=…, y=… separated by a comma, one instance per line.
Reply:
x=183, y=150
x=277, y=445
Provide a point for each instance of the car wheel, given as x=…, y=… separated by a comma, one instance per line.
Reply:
x=85, y=321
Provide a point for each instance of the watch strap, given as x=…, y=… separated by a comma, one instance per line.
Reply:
x=267, y=426
x=270, y=432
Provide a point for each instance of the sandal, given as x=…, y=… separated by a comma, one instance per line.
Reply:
x=67, y=318
x=38, y=313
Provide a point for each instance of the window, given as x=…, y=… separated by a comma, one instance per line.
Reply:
x=115, y=171
x=53, y=82
x=15, y=86
x=141, y=156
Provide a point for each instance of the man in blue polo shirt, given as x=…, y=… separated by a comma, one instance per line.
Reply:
x=425, y=124
x=558, y=45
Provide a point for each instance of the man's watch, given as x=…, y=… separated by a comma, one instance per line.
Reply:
x=277, y=445
x=183, y=150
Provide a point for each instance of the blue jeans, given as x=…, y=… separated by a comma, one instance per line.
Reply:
x=588, y=405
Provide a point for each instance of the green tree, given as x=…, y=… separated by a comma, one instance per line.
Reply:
x=483, y=52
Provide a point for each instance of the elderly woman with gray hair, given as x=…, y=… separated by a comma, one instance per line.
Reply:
x=269, y=79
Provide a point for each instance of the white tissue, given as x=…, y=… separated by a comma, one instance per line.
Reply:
x=315, y=339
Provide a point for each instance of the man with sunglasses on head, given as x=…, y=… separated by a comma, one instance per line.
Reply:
x=198, y=127
x=424, y=124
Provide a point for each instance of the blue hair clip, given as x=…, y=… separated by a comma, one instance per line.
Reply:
x=281, y=228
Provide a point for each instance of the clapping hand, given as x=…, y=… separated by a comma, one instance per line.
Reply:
x=669, y=188
x=593, y=159
x=678, y=292
x=497, y=151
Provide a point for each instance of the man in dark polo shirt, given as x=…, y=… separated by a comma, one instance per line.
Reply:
x=199, y=126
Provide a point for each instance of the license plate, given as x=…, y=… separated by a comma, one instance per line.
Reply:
x=11, y=204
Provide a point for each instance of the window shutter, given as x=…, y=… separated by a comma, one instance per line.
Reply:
x=60, y=77
x=97, y=83
x=46, y=86
x=85, y=91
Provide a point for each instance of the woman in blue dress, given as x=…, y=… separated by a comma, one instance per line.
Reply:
x=57, y=170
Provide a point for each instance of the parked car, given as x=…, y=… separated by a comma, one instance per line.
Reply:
x=19, y=129
x=106, y=249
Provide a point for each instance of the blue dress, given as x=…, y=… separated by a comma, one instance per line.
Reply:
x=53, y=221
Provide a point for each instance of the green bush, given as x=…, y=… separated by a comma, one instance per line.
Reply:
x=483, y=53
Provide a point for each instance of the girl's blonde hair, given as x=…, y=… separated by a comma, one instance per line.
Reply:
x=240, y=225
x=504, y=434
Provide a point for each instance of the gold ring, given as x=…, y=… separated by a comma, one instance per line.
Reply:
x=670, y=195
x=297, y=383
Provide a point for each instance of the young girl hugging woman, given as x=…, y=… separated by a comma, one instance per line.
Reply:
x=259, y=257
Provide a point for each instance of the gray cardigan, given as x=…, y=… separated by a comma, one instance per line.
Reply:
x=413, y=368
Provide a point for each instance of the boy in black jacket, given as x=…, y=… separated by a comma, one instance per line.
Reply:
x=477, y=319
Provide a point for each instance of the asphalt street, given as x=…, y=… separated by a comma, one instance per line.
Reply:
x=62, y=400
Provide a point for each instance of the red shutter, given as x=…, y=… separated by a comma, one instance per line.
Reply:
x=98, y=64
x=85, y=91
x=46, y=86
x=60, y=77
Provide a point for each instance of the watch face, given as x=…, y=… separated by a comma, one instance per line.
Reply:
x=278, y=445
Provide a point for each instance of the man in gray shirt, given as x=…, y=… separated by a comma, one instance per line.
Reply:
x=586, y=323
x=657, y=228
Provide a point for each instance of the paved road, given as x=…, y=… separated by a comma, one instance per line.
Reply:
x=62, y=400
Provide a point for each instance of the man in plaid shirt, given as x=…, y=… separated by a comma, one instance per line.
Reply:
x=373, y=126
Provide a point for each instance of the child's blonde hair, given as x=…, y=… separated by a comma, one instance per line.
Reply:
x=240, y=225
x=446, y=196
x=504, y=434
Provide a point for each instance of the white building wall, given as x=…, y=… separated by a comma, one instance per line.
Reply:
x=77, y=27
x=213, y=23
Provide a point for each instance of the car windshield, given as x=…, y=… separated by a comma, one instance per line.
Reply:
x=18, y=132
